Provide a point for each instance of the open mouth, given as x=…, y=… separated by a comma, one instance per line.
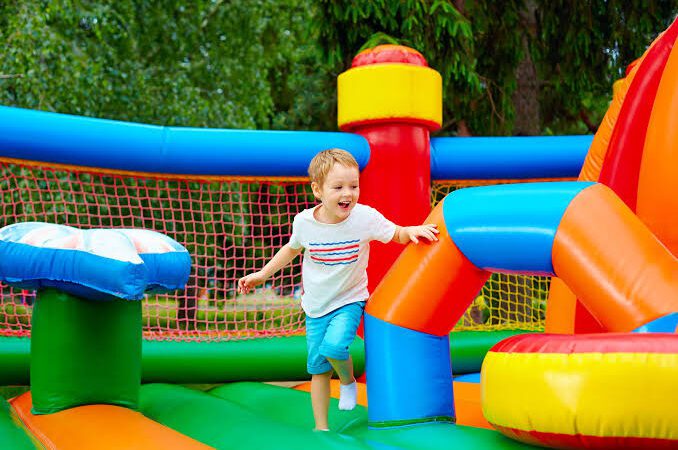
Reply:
x=344, y=205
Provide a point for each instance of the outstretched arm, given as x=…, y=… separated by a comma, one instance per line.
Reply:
x=404, y=235
x=282, y=258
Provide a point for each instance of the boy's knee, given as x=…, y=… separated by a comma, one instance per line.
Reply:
x=327, y=374
x=334, y=350
x=318, y=366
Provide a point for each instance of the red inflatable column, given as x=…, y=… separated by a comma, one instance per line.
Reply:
x=392, y=98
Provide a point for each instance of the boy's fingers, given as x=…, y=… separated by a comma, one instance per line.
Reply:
x=430, y=236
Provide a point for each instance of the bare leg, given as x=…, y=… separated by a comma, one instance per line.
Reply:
x=348, y=391
x=320, y=399
x=344, y=369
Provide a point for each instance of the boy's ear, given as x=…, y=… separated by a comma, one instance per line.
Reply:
x=316, y=189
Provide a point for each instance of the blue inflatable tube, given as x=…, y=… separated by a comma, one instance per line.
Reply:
x=518, y=222
x=403, y=360
x=108, y=144
x=486, y=158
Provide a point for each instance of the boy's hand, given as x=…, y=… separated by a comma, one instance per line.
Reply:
x=246, y=283
x=428, y=231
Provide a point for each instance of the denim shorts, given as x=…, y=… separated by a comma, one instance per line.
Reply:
x=329, y=336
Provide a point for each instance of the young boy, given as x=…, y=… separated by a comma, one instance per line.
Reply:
x=335, y=236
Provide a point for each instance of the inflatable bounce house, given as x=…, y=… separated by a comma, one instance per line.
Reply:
x=121, y=244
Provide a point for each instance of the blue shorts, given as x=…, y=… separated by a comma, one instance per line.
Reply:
x=329, y=336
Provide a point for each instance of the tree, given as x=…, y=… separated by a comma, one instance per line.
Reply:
x=436, y=28
x=202, y=63
x=554, y=62
x=526, y=96
x=583, y=47
x=515, y=66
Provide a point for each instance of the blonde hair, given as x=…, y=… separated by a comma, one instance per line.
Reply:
x=322, y=163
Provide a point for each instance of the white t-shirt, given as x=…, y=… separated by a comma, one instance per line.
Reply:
x=335, y=259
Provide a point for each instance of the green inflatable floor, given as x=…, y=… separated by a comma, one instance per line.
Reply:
x=250, y=415
x=11, y=435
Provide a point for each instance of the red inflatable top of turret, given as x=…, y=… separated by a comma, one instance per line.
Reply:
x=389, y=54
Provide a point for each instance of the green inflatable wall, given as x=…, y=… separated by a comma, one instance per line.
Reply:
x=267, y=359
x=84, y=352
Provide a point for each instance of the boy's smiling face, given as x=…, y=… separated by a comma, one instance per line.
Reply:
x=339, y=194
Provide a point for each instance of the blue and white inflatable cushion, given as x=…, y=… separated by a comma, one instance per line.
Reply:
x=94, y=264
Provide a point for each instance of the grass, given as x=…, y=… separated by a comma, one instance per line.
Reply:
x=261, y=311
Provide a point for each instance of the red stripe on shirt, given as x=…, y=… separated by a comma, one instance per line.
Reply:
x=315, y=258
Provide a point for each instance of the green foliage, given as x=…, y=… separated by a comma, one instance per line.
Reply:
x=584, y=46
x=209, y=63
x=436, y=28
x=579, y=47
x=272, y=64
x=497, y=38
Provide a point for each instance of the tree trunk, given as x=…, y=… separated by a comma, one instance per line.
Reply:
x=526, y=96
